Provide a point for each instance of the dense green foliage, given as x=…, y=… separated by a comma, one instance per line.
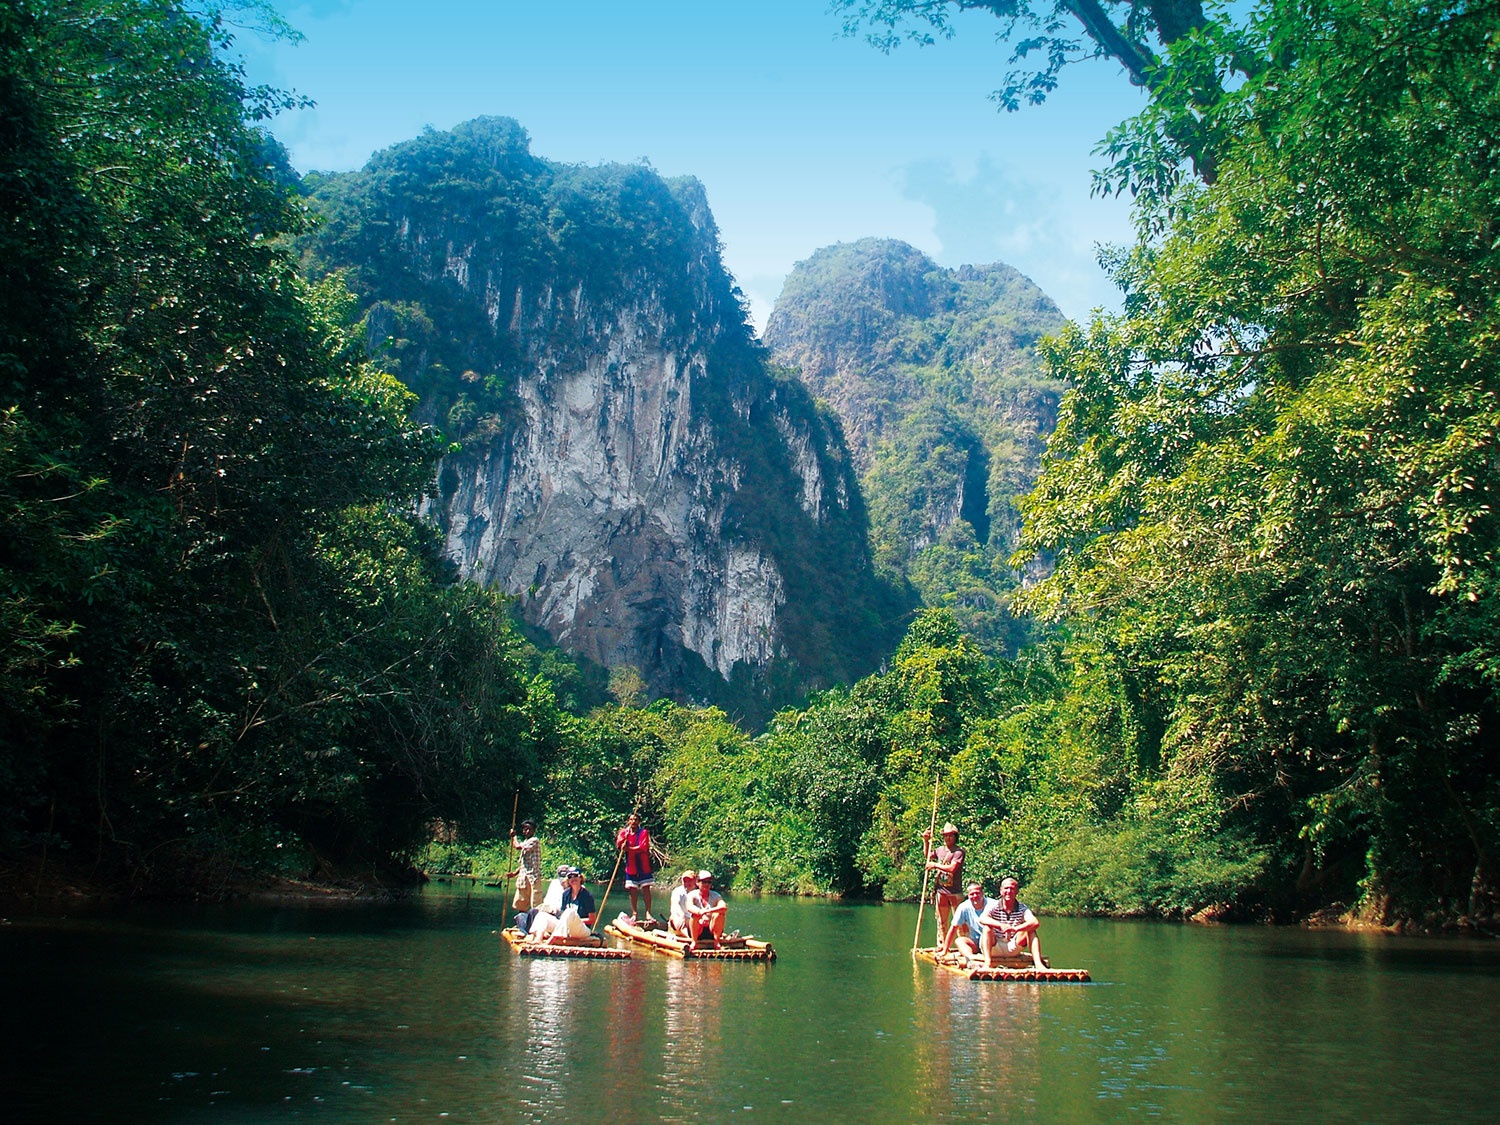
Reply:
x=1270, y=497
x=1272, y=488
x=216, y=633
x=1044, y=762
x=1270, y=502
x=945, y=403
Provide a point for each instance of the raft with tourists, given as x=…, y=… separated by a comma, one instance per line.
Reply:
x=730, y=947
x=591, y=947
x=1011, y=967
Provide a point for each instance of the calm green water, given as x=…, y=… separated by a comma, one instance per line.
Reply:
x=416, y=1012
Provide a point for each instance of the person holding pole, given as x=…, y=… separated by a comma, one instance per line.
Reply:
x=529, y=872
x=946, y=862
x=639, y=877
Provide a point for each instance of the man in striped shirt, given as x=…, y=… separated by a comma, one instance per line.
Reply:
x=1010, y=926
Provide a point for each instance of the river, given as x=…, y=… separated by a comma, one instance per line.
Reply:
x=415, y=1011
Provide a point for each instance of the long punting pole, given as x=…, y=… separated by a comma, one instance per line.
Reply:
x=511, y=839
x=605, y=901
x=926, y=871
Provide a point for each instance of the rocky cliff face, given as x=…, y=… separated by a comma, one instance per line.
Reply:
x=944, y=402
x=630, y=469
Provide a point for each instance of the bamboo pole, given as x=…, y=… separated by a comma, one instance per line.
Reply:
x=511, y=843
x=926, y=871
x=600, y=916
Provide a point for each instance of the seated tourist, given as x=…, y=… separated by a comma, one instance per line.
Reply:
x=705, y=912
x=574, y=920
x=677, y=919
x=965, y=932
x=551, y=902
x=1010, y=927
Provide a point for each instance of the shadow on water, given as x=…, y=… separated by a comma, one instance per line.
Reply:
x=415, y=1010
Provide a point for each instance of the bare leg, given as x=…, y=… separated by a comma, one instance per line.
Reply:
x=1036, y=951
x=646, y=890
x=991, y=943
x=634, y=893
x=943, y=910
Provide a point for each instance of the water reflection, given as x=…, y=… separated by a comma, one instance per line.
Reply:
x=979, y=1043
x=629, y=1010
x=694, y=1043
x=549, y=1017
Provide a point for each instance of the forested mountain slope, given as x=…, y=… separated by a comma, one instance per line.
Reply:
x=630, y=468
x=945, y=404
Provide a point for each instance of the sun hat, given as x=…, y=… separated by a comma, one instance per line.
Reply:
x=702, y=875
x=950, y=827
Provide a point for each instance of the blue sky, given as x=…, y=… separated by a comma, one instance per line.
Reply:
x=801, y=136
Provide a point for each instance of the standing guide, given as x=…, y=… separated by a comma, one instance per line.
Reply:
x=636, y=842
x=947, y=862
x=528, y=874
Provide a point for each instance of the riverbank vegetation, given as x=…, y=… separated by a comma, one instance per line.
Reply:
x=1268, y=518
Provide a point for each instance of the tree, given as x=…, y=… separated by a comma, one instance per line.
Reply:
x=221, y=623
x=1273, y=483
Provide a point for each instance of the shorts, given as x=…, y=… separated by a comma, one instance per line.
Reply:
x=637, y=881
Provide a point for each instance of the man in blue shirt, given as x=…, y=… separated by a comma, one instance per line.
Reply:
x=965, y=929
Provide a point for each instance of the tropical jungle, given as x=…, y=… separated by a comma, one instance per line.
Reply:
x=1253, y=665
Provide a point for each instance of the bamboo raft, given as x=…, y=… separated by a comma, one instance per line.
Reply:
x=591, y=947
x=729, y=948
x=1014, y=968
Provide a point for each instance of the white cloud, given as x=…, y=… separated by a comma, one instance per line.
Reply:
x=1049, y=231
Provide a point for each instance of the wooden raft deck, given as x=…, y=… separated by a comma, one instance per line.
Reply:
x=730, y=949
x=1014, y=969
x=589, y=948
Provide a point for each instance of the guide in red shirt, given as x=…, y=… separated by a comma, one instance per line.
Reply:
x=638, y=875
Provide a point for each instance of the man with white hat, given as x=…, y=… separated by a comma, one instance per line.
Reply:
x=551, y=903
x=946, y=861
x=677, y=919
x=705, y=910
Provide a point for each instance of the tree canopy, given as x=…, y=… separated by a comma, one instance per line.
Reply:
x=218, y=622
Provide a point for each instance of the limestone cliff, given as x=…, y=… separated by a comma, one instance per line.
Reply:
x=631, y=469
x=946, y=406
